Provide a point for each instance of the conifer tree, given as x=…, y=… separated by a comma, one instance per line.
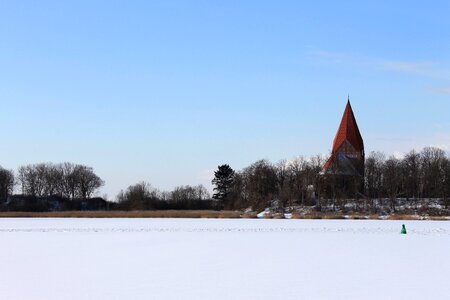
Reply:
x=223, y=180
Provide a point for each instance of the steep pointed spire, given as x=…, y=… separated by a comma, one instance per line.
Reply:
x=348, y=131
x=347, y=155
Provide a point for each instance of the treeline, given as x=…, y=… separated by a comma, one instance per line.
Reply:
x=48, y=186
x=417, y=175
x=68, y=186
x=66, y=180
x=424, y=174
x=143, y=196
x=287, y=183
x=264, y=184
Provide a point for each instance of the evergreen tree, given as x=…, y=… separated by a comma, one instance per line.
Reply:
x=223, y=180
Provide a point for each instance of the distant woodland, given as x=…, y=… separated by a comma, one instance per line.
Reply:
x=417, y=180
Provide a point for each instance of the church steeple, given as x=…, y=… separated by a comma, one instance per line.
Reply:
x=348, y=131
x=347, y=154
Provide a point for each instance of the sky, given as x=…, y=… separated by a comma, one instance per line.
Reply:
x=165, y=91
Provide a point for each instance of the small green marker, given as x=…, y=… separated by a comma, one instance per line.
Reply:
x=403, y=231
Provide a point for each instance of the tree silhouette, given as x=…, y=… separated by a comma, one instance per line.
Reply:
x=223, y=180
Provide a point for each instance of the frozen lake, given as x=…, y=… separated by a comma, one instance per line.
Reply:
x=223, y=259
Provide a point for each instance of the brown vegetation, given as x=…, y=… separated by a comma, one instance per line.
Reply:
x=225, y=214
x=125, y=214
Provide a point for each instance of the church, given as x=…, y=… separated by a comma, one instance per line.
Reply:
x=346, y=162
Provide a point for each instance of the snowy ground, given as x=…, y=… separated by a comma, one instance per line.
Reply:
x=223, y=259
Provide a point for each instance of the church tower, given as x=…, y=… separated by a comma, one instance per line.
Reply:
x=347, y=154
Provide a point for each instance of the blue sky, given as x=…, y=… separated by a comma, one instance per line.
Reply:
x=164, y=91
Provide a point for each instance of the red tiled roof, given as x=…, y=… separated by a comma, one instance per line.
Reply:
x=348, y=131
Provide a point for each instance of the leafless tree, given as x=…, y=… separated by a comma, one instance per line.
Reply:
x=67, y=180
x=260, y=183
x=31, y=179
x=433, y=161
x=282, y=175
x=373, y=175
x=53, y=179
x=298, y=175
x=6, y=183
x=392, y=179
x=70, y=181
x=88, y=181
x=135, y=197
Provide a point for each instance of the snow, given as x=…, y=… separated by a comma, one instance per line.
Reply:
x=288, y=216
x=223, y=259
x=264, y=213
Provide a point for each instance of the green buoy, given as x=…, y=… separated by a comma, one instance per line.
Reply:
x=403, y=229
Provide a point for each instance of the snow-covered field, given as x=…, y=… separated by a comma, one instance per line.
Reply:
x=223, y=259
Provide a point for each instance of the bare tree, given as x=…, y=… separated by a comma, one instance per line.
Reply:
x=69, y=184
x=135, y=196
x=201, y=192
x=31, y=179
x=392, y=179
x=67, y=180
x=373, y=174
x=411, y=166
x=316, y=164
x=88, y=181
x=53, y=179
x=433, y=165
x=282, y=176
x=298, y=175
x=6, y=183
x=260, y=183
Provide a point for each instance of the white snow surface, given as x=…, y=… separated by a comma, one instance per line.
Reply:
x=223, y=259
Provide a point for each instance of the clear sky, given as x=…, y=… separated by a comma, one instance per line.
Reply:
x=164, y=91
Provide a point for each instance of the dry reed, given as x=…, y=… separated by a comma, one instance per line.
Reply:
x=125, y=214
